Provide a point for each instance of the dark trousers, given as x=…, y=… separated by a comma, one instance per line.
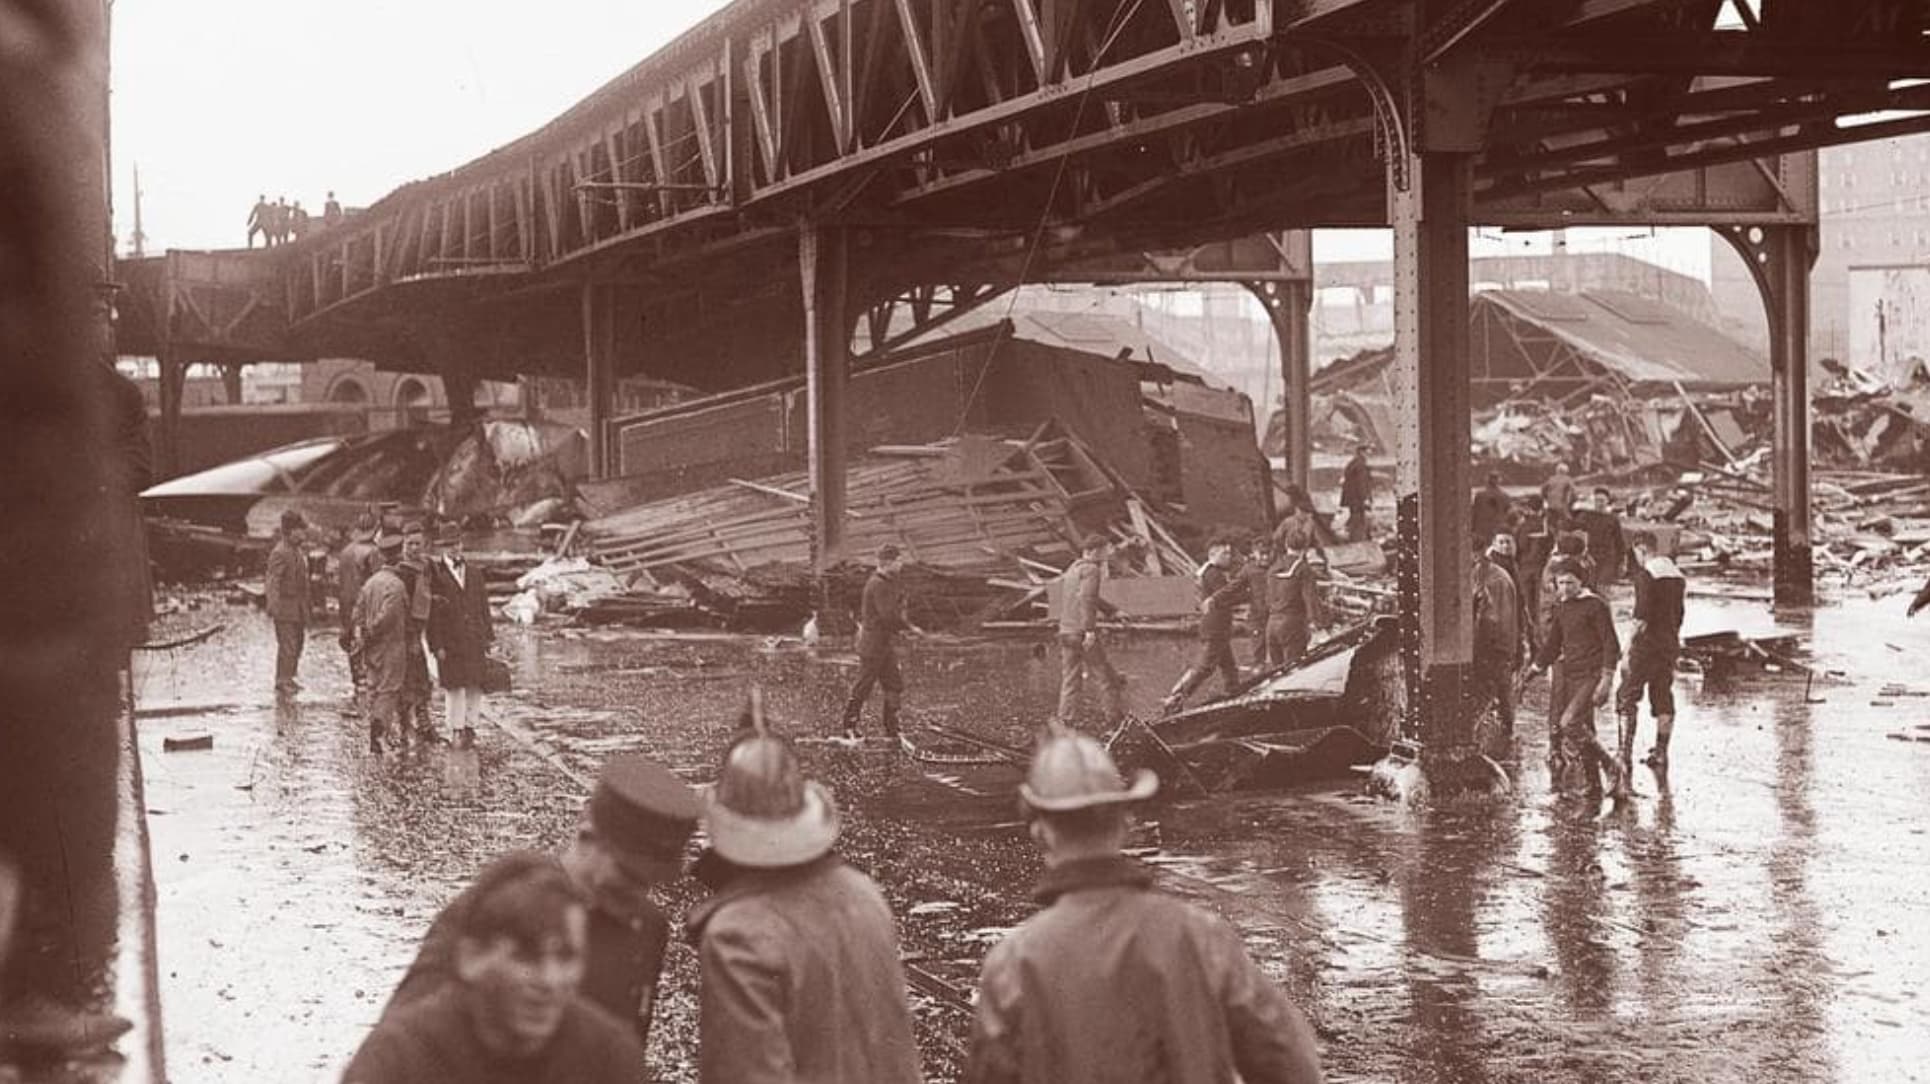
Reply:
x=875, y=671
x=1287, y=637
x=1494, y=677
x=289, y=637
x=1571, y=729
x=1357, y=523
x=59, y=760
x=1651, y=668
x=1216, y=654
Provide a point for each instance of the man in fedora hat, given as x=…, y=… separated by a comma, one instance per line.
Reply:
x=459, y=633
x=513, y=1011
x=881, y=618
x=798, y=951
x=631, y=839
x=288, y=608
x=1082, y=653
x=1114, y=982
x=354, y=564
x=380, y=620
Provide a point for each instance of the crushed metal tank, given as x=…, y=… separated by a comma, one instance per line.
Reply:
x=1335, y=708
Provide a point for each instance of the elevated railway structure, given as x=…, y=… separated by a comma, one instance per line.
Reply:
x=738, y=204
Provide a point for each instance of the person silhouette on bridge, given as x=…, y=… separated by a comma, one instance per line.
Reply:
x=331, y=212
x=258, y=221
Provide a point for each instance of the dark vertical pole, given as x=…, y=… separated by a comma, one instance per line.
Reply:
x=1793, y=253
x=599, y=351
x=231, y=384
x=1287, y=305
x=1430, y=220
x=822, y=266
x=172, y=377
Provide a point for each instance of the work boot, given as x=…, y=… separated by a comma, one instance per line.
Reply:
x=890, y=721
x=1658, y=757
x=1611, y=769
x=1625, y=724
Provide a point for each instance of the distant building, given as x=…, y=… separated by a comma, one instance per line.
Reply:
x=1870, y=289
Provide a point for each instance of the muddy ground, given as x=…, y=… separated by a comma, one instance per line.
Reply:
x=1758, y=917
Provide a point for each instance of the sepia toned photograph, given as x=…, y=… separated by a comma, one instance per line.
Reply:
x=964, y=541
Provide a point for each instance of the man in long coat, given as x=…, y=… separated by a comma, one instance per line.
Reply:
x=459, y=633
x=881, y=618
x=381, y=621
x=288, y=605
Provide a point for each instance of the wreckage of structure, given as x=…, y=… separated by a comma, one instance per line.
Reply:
x=520, y=473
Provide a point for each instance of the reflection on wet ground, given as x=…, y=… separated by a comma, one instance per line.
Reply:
x=1756, y=917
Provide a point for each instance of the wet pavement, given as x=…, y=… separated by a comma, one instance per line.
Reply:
x=1757, y=917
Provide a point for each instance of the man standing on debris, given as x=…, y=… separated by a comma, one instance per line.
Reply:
x=288, y=605
x=1558, y=497
x=1497, y=629
x=1221, y=589
x=881, y=616
x=356, y=562
x=1294, y=607
x=630, y=840
x=798, y=951
x=513, y=1011
x=1115, y=981
x=1652, y=649
x=459, y=634
x=1357, y=493
x=1081, y=654
x=380, y=618
x=1489, y=514
x=1607, y=546
x=1259, y=563
x=1581, y=637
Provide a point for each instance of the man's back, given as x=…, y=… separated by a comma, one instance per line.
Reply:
x=801, y=981
x=1114, y=983
x=1079, y=597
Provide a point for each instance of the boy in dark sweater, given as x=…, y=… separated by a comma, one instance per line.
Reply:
x=1580, y=636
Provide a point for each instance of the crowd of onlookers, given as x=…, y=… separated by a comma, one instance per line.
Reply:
x=280, y=222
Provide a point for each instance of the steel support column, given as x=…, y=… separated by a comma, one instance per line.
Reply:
x=1432, y=479
x=1288, y=305
x=1780, y=258
x=231, y=384
x=599, y=381
x=171, y=381
x=823, y=264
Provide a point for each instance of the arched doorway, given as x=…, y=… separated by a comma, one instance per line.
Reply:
x=348, y=390
x=412, y=401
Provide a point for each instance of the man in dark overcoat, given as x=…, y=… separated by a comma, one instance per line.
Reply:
x=459, y=633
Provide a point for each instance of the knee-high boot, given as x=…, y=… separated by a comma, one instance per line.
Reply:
x=1182, y=689
x=1658, y=757
x=1625, y=724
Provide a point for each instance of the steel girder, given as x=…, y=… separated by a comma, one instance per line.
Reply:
x=1137, y=123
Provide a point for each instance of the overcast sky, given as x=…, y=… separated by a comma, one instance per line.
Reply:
x=219, y=101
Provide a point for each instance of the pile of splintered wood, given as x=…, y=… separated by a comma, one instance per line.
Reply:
x=969, y=505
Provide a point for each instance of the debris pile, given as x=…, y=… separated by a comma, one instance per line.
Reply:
x=985, y=523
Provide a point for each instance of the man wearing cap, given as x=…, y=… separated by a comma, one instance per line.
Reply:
x=1357, y=493
x=1497, y=630
x=1081, y=654
x=459, y=633
x=631, y=839
x=1115, y=982
x=798, y=951
x=380, y=618
x=512, y=1011
x=287, y=583
x=881, y=617
x=356, y=562
x=1221, y=589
